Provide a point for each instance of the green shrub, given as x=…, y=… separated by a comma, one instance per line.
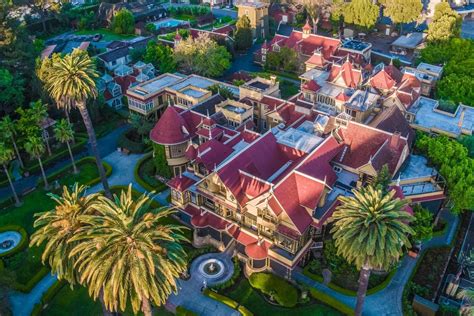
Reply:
x=23, y=242
x=143, y=173
x=181, y=311
x=283, y=292
x=124, y=141
x=26, y=288
x=221, y=298
x=234, y=277
x=323, y=297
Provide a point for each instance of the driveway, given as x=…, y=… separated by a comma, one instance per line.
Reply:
x=389, y=300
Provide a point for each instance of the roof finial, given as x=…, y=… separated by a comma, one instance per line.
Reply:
x=207, y=113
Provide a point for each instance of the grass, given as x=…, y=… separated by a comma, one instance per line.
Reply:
x=26, y=264
x=107, y=35
x=72, y=302
x=247, y=296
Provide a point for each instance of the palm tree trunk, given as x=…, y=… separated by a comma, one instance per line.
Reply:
x=74, y=168
x=315, y=25
x=362, y=291
x=17, y=152
x=46, y=184
x=17, y=200
x=46, y=140
x=146, y=307
x=93, y=141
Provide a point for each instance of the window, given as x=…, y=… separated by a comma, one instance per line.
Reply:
x=352, y=113
x=264, y=124
x=176, y=195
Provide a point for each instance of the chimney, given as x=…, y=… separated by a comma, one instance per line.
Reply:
x=394, y=140
x=273, y=79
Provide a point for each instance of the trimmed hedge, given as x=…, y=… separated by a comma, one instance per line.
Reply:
x=26, y=288
x=234, y=277
x=23, y=242
x=244, y=311
x=270, y=284
x=323, y=297
x=65, y=170
x=221, y=298
x=78, y=146
x=143, y=181
x=47, y=297
x=181, y=311
x=132, y=146
x=341, y=290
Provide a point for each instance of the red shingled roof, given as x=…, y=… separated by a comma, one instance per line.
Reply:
x=208, y=219
x=351, y=76
x=317, y=60
x=307, y=45
x=311, y=85
x=362, y=144
x=386, y=78
x=211, y=153
x=257, y=250
x=181, y=183
x=170, y=129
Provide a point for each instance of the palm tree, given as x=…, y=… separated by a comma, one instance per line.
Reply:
x=6, y=155
x=9, y=131
x=64, y=133
x=370, y=230
x=70, y=82
x=40, y=112
x=127, y=253
x=35, y=148
x=56, y=227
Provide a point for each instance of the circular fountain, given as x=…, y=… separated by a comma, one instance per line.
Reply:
x=9, y=240
x=212, y=268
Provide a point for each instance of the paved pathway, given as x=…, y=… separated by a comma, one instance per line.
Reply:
x=122, y=174
x=106, y=144
x=189, y=294
x=389, y=300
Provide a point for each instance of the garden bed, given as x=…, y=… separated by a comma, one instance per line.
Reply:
x=132, y=142
x=243, y=293
x=144, y=174
x=344, y=275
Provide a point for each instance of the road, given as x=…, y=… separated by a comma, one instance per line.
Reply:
x=106, y=145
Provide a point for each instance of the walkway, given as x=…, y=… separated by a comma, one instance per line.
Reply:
x=189, y=294
x=389, y=300
x=106, y=145
x=122, y=174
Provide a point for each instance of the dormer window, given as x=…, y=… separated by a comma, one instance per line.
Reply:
x=276, y=48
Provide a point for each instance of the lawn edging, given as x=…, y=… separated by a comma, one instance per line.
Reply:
x=78, y=146
x=64, y=170
x=341, y=290
x=47, y=297
x=227, y=301
x=334, y=303
x=21, y=245
x=140, y=180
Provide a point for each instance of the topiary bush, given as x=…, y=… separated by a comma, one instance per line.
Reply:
x=272, y=285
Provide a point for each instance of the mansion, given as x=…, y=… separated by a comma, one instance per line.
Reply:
x=260, y=175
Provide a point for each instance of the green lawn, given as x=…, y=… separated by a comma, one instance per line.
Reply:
x=107, y=34
x=27, y=263
x=248, y=297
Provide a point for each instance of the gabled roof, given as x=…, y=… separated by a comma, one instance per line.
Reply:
x=212, y=153
x=311, y=86
x=364, y=145
x=181, y=183
x=386, y=78
x=351, y=76
x=170, y=129
x=392, y=120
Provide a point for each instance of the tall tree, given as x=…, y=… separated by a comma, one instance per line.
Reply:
x=315, y=9
x=9, y=130
x=65, y=134
x=361, y=13
x=202, y=56
x=56, y=227
x=123, y=22
x=446, y=23
x=6, y=155
x=70, y=80
x=370, y=230
x=39, y=112
x=11, y=91
x=35, y=148
x=243, y=35
x=127, y=253
x=161, y=56
x=403, y=11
